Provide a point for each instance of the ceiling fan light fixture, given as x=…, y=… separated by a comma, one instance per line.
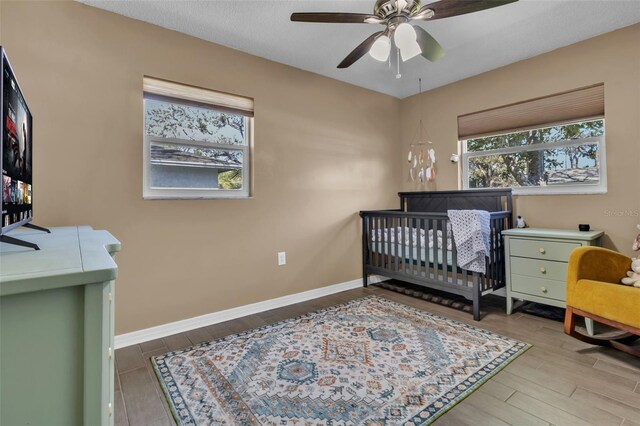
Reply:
x=405, y=38
x=410, y=51
x=380, y=49
x=404, y=35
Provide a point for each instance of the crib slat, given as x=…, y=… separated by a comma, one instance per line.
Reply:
x=425, y=249
x=424, y=246
x=454, y=262
x=394, y=228
x=434, y=228
x=383, y=239
x=399, y=245
x=436, y=248
x=501, y=253
x=418, y=248
x=394, y=243
x=437, y=262
x=411, y=269
x=378, y=241
x=494, y=251
x=370, y=243
x=433, y=250
x=443, y=250
x=374, y=243
x=403, y=222
x=389, y=224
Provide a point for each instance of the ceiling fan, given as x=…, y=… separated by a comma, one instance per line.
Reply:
x=396, y=15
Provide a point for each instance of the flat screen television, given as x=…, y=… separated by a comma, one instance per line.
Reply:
x=15, y=150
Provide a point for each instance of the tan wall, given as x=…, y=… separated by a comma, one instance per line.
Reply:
x=322, y=151
x=614, y=59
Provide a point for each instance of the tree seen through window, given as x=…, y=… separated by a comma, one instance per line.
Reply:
x=522, y=159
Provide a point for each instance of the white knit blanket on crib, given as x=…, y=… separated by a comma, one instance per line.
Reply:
x=396, y=234
x=471, y=230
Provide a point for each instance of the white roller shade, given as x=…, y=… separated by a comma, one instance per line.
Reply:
x=197, y=95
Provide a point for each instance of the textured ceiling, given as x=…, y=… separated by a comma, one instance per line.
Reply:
x=474, y=43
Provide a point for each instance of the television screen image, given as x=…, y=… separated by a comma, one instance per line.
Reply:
x=6, y=189
x=17, y=199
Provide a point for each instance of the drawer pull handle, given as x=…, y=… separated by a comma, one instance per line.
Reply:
x=544, y=289
x=542, y=270
x=542, y=250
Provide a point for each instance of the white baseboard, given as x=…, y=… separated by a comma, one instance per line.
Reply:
x=135, y=337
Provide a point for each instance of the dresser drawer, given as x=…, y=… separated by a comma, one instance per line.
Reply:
x=547, y=269
x=540, y=287
x=541, y=249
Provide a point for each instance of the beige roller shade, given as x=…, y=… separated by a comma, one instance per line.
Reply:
x=233, y=103
x=584, y=103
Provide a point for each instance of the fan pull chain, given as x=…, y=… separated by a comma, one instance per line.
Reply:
x=398, y=75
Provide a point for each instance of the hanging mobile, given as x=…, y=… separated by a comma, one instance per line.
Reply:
x=421, y=156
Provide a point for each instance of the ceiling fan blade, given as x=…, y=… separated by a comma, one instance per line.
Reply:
x=337, y=18
x=431, y=49
x=447, y=8
x=360, y=51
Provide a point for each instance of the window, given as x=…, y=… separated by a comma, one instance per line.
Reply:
x=549, y=145
x=197, y=142
x=561, y=159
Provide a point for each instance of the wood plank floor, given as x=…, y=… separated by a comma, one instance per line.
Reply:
x=560, y=381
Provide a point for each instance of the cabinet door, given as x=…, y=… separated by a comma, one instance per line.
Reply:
x=41, y=357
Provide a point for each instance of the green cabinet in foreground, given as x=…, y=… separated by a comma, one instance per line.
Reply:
x=56, y=328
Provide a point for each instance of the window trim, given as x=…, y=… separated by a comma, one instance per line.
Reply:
x=151, y=193
x=564, y=189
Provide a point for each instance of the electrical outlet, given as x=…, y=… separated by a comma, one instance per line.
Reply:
x=282, y=258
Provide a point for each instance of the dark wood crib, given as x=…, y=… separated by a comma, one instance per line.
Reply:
x=414, y=243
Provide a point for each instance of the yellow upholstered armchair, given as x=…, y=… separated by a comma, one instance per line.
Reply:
x=593, y=291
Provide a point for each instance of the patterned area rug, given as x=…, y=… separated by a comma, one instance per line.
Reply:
x=370, y=362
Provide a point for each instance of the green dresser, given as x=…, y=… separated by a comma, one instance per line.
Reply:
x=56, y=328
x=536, y=263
